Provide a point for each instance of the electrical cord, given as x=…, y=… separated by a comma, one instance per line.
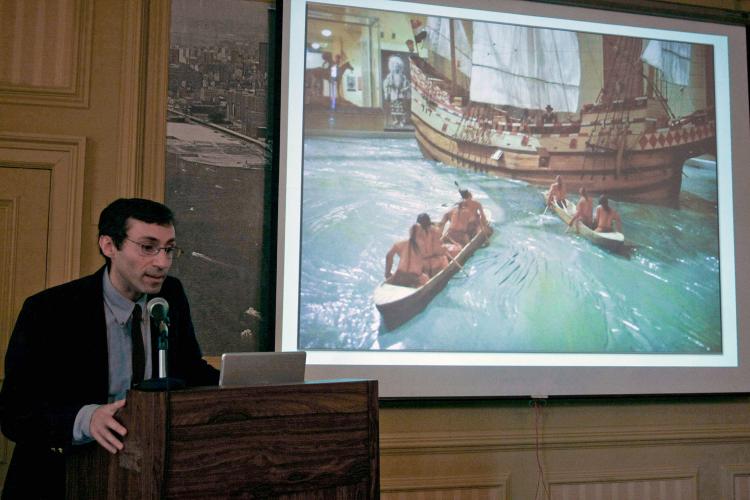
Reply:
x=538, y=414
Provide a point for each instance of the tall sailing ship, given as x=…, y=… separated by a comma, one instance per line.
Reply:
x=614, y=114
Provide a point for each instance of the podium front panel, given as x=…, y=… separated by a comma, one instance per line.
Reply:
x=282, y=441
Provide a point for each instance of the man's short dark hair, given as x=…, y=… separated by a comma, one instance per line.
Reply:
x=113, y=220
x=465, y=193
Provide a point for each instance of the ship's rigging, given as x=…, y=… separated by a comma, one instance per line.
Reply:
x=531, y=102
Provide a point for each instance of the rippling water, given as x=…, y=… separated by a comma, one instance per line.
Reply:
x=533, y=289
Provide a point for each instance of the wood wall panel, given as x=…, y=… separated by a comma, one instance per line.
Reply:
x=64, y=158
x=736, y=482
x=8, y=230
x=651, y=484
x=46, y=51
x=671, y=450
x=24, y=208
x=741, y=487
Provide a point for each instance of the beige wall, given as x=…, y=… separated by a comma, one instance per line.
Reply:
x=106, y=94
x=93, y=52
x=72, y=109
x=634, y=449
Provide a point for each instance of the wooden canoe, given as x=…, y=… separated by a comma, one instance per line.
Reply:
x=398, y=304
x=611, y=240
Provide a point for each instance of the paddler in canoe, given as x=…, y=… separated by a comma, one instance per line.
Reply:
x=429, y=241
x=600, y=232
x=411, y=263
x=464, y=220
x=422, y=256
x=557, y=193
x=584, y=209
x=401, y=299
x=606, y=217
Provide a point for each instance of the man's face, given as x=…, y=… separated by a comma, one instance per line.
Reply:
x=131, y=271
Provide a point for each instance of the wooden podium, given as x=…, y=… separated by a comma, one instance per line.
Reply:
x=317, y=439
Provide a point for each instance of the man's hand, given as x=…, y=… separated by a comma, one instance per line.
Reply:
x=105, y=429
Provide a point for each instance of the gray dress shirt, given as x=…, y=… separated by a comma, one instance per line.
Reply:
x=117, y=312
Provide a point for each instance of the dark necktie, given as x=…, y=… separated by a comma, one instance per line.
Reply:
x=139, y=355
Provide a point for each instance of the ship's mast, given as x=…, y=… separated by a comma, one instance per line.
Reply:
x=623, y=82
x=453, y=57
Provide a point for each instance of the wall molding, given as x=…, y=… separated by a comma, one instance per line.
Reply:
x=143, y=110
x=605, y=476
x=79, y=39
x=64, y=157
x=133, y=71
x=8, y=229
x=8, y=237
x=499, y=482
x=154, y=130
x=559, y=438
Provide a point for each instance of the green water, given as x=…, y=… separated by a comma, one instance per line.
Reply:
x=535, y=288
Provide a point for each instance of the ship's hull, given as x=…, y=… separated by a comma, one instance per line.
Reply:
x=647, y=166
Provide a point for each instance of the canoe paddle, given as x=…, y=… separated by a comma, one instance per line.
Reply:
x=459, y=265
x=450, y=258
x=546, y=203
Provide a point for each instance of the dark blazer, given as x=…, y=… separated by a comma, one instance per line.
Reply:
x=57, y=362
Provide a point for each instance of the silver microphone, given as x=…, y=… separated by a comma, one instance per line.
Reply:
x=158, y=309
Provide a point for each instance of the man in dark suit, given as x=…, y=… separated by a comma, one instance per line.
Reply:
x=78, y=347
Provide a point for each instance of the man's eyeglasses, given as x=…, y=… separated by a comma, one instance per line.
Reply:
x=151, y=250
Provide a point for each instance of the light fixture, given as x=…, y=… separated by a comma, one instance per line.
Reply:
x=326, y=32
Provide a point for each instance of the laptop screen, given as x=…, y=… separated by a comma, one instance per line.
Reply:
x=240, y=369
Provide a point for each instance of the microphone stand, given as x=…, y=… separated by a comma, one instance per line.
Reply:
x=164, y=382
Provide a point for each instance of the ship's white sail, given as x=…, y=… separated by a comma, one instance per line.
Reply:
x=671, y=58
x=438, y=42
x=525, y=67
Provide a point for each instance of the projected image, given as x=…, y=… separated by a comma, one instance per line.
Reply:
x=470, y=186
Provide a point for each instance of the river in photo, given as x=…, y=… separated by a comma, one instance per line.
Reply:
x=533, y=289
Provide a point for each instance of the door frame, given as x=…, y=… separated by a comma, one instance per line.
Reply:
x=64, y=157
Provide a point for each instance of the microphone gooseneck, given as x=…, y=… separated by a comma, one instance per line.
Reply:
x=158, y=310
